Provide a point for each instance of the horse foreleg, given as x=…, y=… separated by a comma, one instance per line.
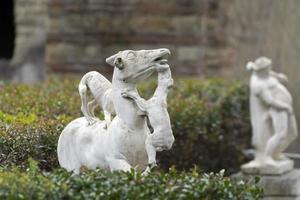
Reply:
x=116, y=164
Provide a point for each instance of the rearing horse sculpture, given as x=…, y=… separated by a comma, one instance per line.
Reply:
x=122, y=145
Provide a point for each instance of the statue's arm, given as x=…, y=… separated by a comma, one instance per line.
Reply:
x=268, y=99
x=139, y=101
x=281, y=77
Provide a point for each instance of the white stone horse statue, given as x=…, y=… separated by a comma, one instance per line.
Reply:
x=121, y=145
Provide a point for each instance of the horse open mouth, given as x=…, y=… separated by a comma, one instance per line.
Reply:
x=162, y=60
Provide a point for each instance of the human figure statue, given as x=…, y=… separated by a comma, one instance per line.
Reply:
x=272, y=118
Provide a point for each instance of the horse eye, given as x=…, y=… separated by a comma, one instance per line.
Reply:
x=130, y=55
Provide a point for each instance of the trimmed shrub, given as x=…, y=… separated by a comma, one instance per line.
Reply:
x=34, y=184
x=211, y=125
x=209, y=120
x=19, y=142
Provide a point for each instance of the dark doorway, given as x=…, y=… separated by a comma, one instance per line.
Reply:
x=7, y=29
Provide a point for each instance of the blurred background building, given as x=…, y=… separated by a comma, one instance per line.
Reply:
x=206, y=37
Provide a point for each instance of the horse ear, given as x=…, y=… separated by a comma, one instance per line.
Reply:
x=111, y=60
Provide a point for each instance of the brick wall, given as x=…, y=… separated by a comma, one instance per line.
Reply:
x=82, y=33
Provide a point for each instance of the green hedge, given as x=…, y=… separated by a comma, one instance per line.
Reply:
x=35, y=184
x=209, y=120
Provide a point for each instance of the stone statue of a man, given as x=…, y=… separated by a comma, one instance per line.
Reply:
x=273, y=122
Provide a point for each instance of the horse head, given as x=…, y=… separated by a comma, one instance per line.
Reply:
x=135, y=66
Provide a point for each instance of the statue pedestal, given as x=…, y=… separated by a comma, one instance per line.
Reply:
x=277, y=187
x=281, y=167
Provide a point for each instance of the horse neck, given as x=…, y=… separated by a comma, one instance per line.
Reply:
x=125, y=108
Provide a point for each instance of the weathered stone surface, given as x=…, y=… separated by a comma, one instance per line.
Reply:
x=285, y=186
x=187, y=28
x=5, y=69
x=190, y=53
x=80, y=33
x=282, y=198
x=282, y=166
x=30, y=43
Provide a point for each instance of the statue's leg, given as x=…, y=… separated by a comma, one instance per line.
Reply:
x=293, y=128
x=261, y=135
x=156, y=142
x=150, y=149
x=116, y=164
x=91, y=107
x=280, y=140
x=90, y=112
x=291, y=134
x=83, y=96
x=107, y=118
x=84, y=104
x=151, y=152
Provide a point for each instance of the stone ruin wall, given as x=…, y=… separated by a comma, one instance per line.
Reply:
x=28, y=62
x=206, y=37
x=81, y=34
